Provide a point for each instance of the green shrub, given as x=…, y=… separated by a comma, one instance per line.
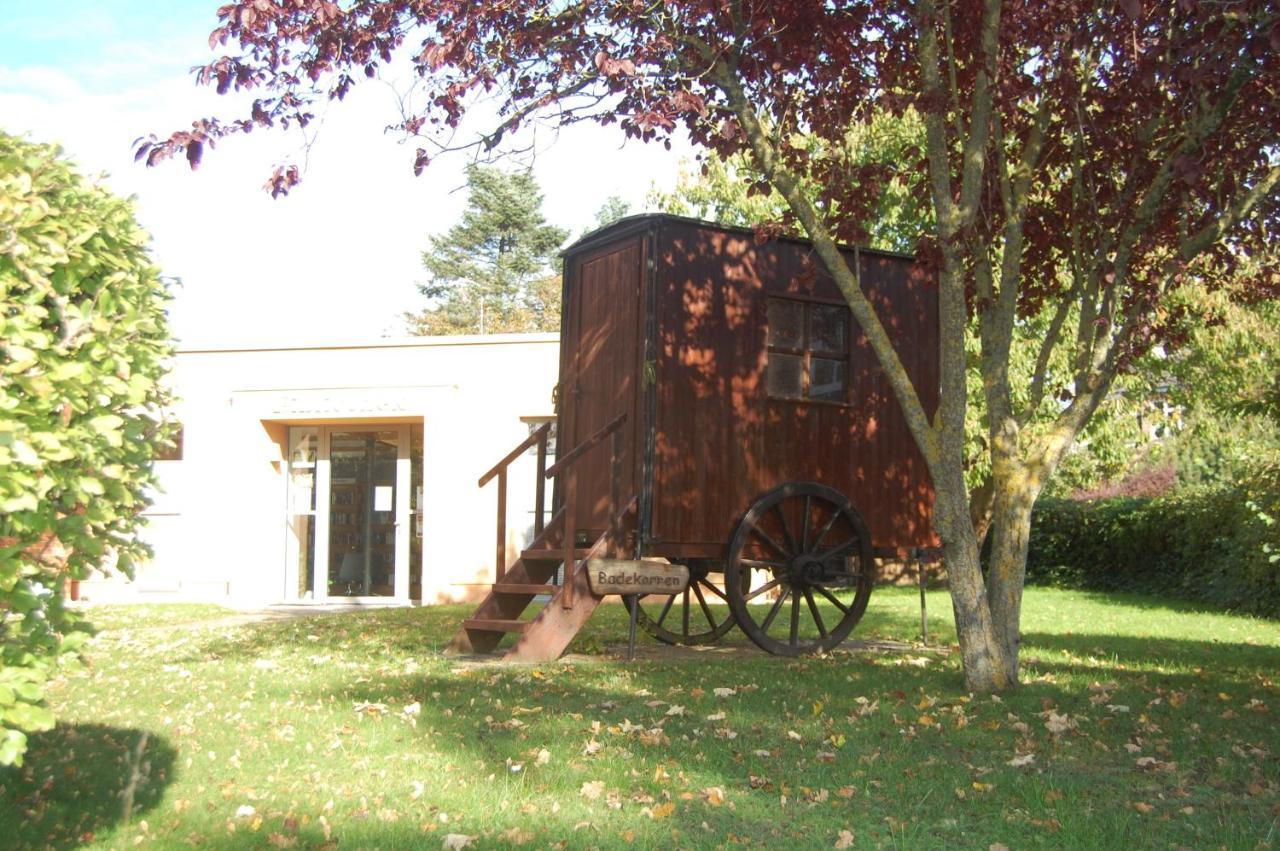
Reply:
x=83, y=344
x=1216, y=545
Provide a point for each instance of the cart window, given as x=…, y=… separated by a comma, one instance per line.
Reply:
x=808, y=350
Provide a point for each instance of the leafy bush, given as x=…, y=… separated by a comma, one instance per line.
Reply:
x=83, y=344
x=1218, y=545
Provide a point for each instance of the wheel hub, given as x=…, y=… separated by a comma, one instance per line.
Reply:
x=806, y=569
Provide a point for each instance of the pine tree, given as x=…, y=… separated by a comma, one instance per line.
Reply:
x=496, y=271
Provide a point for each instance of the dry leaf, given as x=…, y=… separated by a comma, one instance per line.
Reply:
x=516, y=836
x=454, y=841
x=675, y=710
x=662, y=810
x=844, y=839
x=714, y=796
x=1142, y=807
x=1021, y=760
x=997, y=846
x=723, y=692
x=544, y=757
x=719, y=716
x=592, y=789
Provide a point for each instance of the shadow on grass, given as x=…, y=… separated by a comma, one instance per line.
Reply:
x=79, y=780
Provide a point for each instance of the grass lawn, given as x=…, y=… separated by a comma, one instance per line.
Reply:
x=1142, y=724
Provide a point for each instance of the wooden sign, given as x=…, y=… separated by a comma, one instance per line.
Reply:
x=622, y=576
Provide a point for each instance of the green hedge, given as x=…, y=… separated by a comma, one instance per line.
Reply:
x=1219, y=546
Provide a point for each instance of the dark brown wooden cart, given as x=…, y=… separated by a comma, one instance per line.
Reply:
x=718, y=407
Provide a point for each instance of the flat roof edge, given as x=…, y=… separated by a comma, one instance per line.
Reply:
x=385, y=343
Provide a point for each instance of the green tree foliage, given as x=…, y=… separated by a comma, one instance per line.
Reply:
x=85, y=344
x=613, y=208
x=495, y=271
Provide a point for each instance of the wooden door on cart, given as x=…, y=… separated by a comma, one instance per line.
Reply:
x=600, y=372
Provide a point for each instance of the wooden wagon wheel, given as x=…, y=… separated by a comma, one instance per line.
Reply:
x=800, y=548
x=697, y=616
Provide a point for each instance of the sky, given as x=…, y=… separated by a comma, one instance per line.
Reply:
x=336, y=260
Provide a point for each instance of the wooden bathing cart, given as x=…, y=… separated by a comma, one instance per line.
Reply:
x=719, y=408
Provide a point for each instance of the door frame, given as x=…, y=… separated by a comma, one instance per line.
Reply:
x=402, y=524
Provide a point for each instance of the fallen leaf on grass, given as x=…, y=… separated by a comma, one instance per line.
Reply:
x=1141, y=807
x=454, y=841
x=592, y=789
x=516, y=836
x=675, y=710
x=661, y=811
x=997, y=846
x=723, y=692
x=544, y=757
x=719, y=716
x=844, y=839
x=1021, y=760
x=714, y=796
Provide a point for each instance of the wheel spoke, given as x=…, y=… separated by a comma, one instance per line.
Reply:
x=795, y=617
x=840, y=549
x=684, y=622
x=832, y=598
x=804, y=524
x=711, y=586
x=764, y=536
x=666, y=609
x=786, y=533
x=702, y=603
x=773, y=613
x=831, y=521
x=813, y=610
x=768, y=586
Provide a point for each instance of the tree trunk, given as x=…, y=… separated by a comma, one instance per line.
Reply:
x=1010, y=535
x=988, y=665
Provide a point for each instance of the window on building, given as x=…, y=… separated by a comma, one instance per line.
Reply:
x=536, y=423
x=808, y=350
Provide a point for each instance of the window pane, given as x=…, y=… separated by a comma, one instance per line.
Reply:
x=826, y=379
x=827, y=328
x=784, y=375
x=786, y=323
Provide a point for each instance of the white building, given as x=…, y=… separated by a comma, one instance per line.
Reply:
x=342, y=472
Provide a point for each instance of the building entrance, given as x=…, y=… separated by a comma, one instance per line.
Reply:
x=349, y=512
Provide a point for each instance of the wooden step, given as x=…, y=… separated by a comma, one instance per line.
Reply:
x=524, y=588
x=550, y=555
x=496, y=625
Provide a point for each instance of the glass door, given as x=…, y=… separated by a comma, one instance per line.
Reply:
x=362, y=513
x=350, y=532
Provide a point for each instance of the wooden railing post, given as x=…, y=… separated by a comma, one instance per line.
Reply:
x=540, y=491
x=502, y=526
x=570, y=534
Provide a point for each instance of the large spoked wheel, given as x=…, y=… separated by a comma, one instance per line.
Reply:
x=699, y=615
x=800, y=569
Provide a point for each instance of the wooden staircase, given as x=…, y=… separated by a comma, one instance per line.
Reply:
x=545, y=636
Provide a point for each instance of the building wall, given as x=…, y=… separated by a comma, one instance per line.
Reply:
x=219, y=526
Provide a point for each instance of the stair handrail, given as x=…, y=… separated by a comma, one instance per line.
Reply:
x=538, y=436
x=582, y=448
x=565, y=465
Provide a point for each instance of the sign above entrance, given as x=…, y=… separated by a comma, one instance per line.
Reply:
x=315, y=402
x=619, y=576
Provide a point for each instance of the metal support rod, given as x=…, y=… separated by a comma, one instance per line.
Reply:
x=631, y=633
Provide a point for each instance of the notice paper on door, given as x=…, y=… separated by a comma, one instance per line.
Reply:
x=382, y=498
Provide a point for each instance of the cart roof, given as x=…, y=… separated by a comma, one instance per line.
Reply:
x=641, y=221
